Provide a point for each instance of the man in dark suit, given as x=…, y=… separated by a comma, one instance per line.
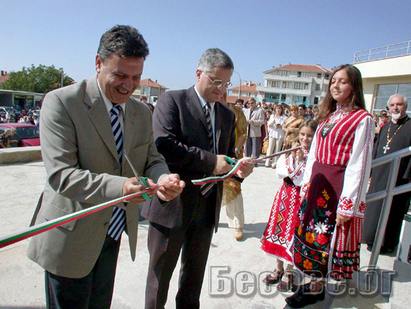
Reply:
x=85, y=166
x=195, y=133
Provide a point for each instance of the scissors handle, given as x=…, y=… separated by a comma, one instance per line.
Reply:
x=142, y=180
x=230, y=161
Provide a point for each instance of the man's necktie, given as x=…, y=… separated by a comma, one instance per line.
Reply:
x=205, y=189
x=118, y=219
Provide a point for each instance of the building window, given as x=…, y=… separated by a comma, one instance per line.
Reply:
x=276, y=84
x=318, y=75
x=317, y=87
x=385, y=91
x=305, y=74
x=301, y=86
x=272, y=97
x=298, y=74
x=299, y=99
x=283, y=73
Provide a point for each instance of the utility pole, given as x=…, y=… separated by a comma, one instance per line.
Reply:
x=239, y=90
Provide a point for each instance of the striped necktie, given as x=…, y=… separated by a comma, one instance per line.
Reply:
x=205, y=189
x=118, y=219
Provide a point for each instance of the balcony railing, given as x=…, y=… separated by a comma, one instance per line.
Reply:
x=302, y=79
x=387, y=195
x=393, y=50
x=291, y=91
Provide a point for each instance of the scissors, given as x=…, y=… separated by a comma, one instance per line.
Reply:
x=230, y=161
x=142, y=180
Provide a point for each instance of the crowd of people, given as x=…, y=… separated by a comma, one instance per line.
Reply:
x=316, y=220
x=24, y=116
x=272, y=127
x=9, y=138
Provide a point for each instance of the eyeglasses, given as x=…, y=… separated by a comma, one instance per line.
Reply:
x=217, y=82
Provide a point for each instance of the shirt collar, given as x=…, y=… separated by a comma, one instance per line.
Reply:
x=202, y=100
x=109, y=105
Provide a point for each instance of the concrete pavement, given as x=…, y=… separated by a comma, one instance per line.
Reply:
x=234, y=270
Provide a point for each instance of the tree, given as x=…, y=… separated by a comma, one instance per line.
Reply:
x=41, y=79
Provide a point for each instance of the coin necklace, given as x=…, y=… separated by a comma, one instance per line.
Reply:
x=389, y=139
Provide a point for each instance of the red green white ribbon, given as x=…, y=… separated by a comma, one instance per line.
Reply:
x=236, y=167
x=48, y=225
x=276, y=154
x=220, y=178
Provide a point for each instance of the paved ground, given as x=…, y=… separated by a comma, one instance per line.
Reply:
x=234, y=271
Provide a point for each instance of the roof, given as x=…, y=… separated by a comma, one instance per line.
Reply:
x=301, y=67
x=233, y=98
x=250, y=87
x=29, y=93
x=148, y=82
x=4, y=77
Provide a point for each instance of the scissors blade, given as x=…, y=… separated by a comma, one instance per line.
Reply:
x=132, y=167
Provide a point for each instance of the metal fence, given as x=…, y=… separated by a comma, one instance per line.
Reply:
x=387, y=195
x=388, y=51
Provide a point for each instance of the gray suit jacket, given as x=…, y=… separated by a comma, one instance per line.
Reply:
x=258, y=116
x=83, y=170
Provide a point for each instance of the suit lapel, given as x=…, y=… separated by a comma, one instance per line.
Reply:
x=98, y=115
x=130, y=124
x=194, y=105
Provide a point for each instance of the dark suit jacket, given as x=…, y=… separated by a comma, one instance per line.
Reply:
x=83, y=170
x=181, y=136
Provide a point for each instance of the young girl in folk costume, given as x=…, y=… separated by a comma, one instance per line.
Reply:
x=279, y=233
x=328, y=234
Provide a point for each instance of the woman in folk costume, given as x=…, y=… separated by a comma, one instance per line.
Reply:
x=232, y=196
x=279, y=233
x=328, y=234
x=291, y=127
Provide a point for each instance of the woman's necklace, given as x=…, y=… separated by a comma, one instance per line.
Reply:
x=342, y=111
x=389, y=139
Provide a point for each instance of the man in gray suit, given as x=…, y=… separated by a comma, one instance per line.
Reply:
x=255, y=118
x=85, y=166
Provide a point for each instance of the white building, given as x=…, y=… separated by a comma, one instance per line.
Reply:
x=385, y=71
x=295, y=84
x=151, y=89
x=245, y=91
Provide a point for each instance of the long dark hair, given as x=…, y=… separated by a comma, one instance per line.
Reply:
x=357, y=96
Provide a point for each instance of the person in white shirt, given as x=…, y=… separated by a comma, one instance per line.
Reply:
x=276, y=134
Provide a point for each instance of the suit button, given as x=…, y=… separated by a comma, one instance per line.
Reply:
x=117, y=171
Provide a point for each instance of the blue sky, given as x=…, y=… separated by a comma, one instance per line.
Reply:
x=256, y=34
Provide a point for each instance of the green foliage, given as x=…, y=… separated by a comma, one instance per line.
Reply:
x=41, y=79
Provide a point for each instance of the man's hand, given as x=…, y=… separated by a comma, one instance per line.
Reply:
x=246, y=169
x=221, y=167
x=170, y=187
x=132, y=185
